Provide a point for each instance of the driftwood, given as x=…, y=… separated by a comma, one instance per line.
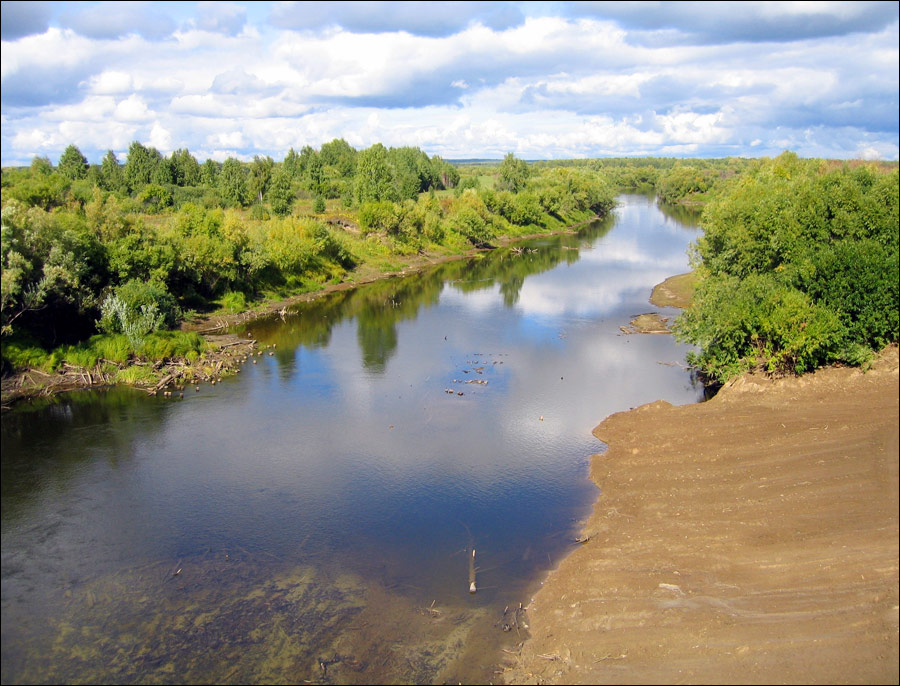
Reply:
x=472, y=587
x=251, y=341
x=162, y=383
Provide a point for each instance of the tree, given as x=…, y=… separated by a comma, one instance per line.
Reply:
x=447, y=174
x=233, y=183
x=164, y=173
x=209, y=173
x=41, y=166
x=340, y=155
x=111, y=176
x=513, y=173
x=185, y=168
x=291, y=165
x=260, y=176
x=140, y=165
x=374, y=177
x=313, y=170
x=280, y=195
x=73, y=165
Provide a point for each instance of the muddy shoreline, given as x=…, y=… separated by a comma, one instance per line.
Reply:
x=752, y=538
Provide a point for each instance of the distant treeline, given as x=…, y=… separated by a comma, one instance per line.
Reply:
x=128, y=249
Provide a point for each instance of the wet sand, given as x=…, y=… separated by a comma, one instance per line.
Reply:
x=749, y=539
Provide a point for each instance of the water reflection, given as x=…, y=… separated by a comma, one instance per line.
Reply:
x=395, y=427
x=683, y=215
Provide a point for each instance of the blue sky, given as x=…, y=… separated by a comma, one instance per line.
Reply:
x=460, y=79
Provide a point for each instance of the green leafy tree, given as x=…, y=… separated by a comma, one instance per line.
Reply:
x=260, y=176
x=73, y=165
x=446, y=173
x=313, y=170
x=232, y=183
x=513, y=173
x=140, y=166
x=292, y=165
x=280, y=194
x=209, y=173
x=374, y=176
x=52, y=268
x=41, y=166
x=112, y=178
x=41, y=189
x=155, y=198
x=340, y=156
x=185, y=168
x=798, y=269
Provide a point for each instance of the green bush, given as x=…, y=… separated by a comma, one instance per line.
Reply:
x=757, y=323
x=135, y=295
x=234, y=302
x=114, y=348
x=799, y=269
x=165, y=345
x=859, y=281
x=23, y=353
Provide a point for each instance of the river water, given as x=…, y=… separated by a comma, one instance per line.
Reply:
x=313, y=518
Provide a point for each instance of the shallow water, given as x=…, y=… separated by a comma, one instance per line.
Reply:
x=312, y=518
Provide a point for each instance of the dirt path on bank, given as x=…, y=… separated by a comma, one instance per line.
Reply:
x=749, y=539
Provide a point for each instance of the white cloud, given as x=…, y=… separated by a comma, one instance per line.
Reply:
x=221, y=17
x=160, y=138
x=543, y=86
x=132, y=108
x=111, y=83
x=232, y=139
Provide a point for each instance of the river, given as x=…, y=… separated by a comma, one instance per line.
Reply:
x=314, y=517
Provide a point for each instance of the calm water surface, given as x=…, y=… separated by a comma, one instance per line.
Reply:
x=312, y=518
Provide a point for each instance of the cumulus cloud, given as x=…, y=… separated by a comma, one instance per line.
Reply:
x=132, y=108
x=755, y=22
x=238, y=82
x=111, y=20
x=221, y=17
x=111, y=83
x=419, y=18
x=461, y=80
x=20, y=19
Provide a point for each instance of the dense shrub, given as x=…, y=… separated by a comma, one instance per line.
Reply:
x=799, y=268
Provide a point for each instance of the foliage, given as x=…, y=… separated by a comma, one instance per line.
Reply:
x=682, y=182
x=232, y=184
x=117, y=317
x=123, y=249
x=799, y=268
x=513, y=173
x=128, y=300
x=280, y=194
x=234, y=302
x=73, y=165
x=374, y=176
x=140, y=166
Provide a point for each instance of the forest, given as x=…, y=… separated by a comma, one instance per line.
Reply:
x=101, y=263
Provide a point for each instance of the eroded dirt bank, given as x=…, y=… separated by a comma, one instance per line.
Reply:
x=749, y=539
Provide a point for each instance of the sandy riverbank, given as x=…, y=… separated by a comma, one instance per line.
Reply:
x=749, y=539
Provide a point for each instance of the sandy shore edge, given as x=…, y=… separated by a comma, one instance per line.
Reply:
x=749, y=539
